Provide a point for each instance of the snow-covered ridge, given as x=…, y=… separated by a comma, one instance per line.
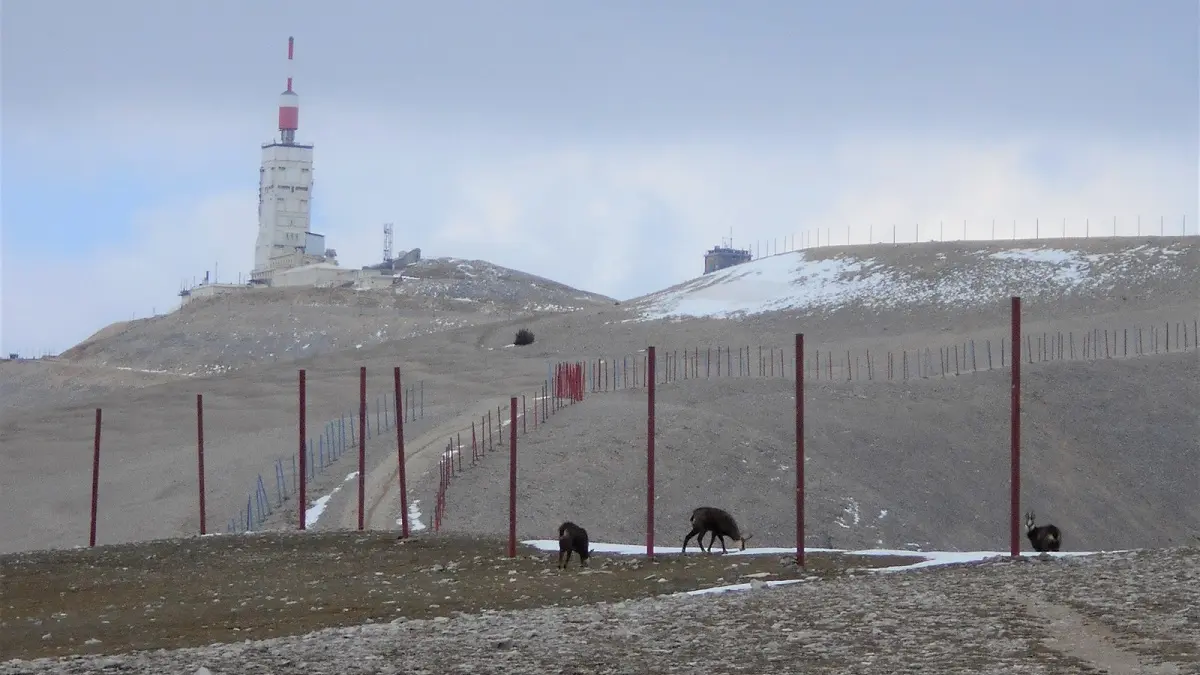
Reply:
x=894, y=277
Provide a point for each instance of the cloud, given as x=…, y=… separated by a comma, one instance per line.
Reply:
x=630, y=221
x=621, y=219
x=931, y=180
x=52, y=304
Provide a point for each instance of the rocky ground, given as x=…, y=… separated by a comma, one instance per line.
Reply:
x=224, y=333
x=1134, y=612
x=193, y=592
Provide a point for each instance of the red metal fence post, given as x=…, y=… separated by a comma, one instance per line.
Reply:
x=1014, y=535
x=512, y=478
x=95, y=478
x=400, y=457
x=437, y=501
x=200, y=455
x=302, y=505
x=362, y=440
x=650, y=369
x=799, y=449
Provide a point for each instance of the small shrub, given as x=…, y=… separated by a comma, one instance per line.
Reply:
x=524, y=337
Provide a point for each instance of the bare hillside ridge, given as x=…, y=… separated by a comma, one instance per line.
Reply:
x=148, y=468
x=466, y=368
x=1110, y=455
x=916, y=295
x=1145, y=280
x=960, y=276
x=214, y=335
x=34, y=383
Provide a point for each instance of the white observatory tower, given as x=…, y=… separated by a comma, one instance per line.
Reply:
x=284, y=196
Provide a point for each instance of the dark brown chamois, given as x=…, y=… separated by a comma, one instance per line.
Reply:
x=719, y=523
x=1043, y=537
x=572, y=539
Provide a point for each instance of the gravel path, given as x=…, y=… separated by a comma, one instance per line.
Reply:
x=1133, y=612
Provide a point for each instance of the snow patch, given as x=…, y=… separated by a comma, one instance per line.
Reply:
x=313, y=513
x=151, y=371
x=414, y=517
x=801, y=281
x=852, y=514
x=931, y=558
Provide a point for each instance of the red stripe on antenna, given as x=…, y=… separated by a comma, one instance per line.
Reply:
x=291, y=42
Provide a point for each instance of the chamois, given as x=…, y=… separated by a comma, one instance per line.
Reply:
x=719, y=523
x=1043, y=537
x=572, y=538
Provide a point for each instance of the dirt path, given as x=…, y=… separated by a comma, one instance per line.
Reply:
x=421, y=455
x=1088, y=641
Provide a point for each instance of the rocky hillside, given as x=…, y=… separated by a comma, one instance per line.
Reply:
x=1110, y=456
x=215, y=335
x=1100, y=274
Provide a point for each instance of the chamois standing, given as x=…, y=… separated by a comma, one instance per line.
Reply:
x=572, y=539
x=1043, y=537
x=719, y=523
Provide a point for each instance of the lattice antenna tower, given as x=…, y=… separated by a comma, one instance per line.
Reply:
x=387, y=242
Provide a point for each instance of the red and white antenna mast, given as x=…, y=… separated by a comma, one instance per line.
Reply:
x=289, y=106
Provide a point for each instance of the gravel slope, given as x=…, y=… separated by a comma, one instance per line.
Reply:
x=147, y=470
x=1128, y=613
x=224, y=333
x=889, y=465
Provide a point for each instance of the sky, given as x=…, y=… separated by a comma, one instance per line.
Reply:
x=602, y=145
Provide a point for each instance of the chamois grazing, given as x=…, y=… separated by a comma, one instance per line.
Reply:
x=572, y=539
x=719, y=523
x=1043, y=537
